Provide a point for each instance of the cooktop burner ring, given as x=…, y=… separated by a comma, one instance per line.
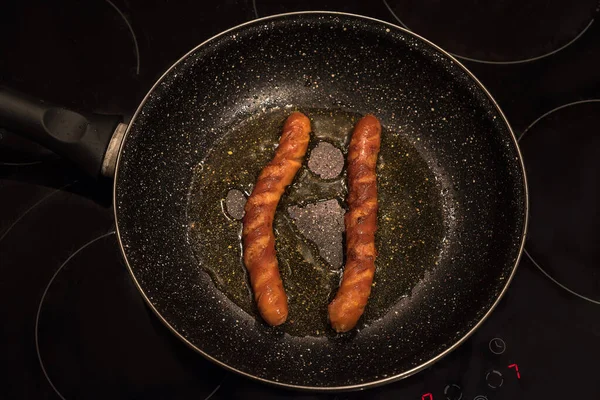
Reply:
x=255, y=9
x=135, y=41
x=62, y=320
x=39, y=310
x=20, y=164
x=547, y=275
x=538, y=265
x=499, y=62
x=94, y=47
x=37, y=203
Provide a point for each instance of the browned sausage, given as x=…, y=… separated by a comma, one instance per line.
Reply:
x=361, y=224
x=257, y=234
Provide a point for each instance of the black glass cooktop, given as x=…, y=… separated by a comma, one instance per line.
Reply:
x=73, y=324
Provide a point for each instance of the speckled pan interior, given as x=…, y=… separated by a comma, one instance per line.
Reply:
x=335, y=62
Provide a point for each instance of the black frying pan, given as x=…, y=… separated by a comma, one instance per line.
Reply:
x=453, y=196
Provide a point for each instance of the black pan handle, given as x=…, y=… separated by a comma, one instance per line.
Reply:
x=80, y=137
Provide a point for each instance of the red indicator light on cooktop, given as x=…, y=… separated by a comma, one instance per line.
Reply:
x=427, y=396
x=516, y=367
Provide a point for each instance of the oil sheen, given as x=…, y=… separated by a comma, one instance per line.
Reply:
x=410, y=219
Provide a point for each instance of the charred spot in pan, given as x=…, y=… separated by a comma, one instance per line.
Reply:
x=307, y=224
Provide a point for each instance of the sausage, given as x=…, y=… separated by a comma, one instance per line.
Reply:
x=257, y=234
x=361, y=223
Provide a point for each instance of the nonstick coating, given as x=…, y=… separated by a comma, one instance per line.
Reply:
x=359, y=65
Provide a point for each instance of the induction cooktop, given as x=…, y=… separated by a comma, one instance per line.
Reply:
x=74, y=325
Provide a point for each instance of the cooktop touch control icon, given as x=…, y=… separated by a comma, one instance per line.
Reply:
x=497, y=346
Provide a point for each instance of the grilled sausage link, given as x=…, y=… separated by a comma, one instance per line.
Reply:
x=361, y=224
x=257, y=234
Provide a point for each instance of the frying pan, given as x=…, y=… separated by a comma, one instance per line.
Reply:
x=458, y=241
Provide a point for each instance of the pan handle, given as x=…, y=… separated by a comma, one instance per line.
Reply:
x=82, y=138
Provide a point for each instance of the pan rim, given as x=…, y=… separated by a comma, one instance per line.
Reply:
x=360, y=386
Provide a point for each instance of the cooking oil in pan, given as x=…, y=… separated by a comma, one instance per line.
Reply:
x=410, y=219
